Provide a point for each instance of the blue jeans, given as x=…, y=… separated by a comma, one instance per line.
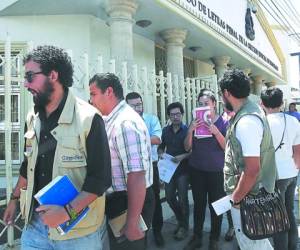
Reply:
x=35, y=236
x=177, y=198
x=287, y=240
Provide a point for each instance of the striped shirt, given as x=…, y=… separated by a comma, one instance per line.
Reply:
x=129, y=144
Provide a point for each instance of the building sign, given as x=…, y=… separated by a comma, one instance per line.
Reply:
x=212, y=19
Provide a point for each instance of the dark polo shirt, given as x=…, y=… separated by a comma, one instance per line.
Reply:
x=173, y=143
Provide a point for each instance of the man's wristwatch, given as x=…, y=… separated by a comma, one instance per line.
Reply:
x=13, y=197
x=233, y=203
x=71, y=211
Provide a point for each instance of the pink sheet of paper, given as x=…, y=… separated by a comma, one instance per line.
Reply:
x=203, y=114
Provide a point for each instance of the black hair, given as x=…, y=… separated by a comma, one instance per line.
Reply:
x=53, y=58
x=175, y=105
x=272, y=97
x=105, y=80
x=208, y=93
x=133, y=95
x=235, y=82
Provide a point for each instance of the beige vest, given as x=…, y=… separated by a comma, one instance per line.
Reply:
x=70, y=159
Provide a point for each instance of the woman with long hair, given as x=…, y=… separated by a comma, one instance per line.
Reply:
x=206, y=170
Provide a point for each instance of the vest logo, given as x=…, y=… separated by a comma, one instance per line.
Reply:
x=75, y=158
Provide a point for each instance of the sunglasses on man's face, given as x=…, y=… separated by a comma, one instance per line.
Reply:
x=29, y=76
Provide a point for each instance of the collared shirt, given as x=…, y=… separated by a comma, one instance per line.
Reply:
x=173, y=142
x=98, y=157
x=129, y=144
x=154, y=129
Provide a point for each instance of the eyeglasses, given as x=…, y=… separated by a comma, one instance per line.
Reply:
x=136, y=106
x=29, y=76
x=173, y=115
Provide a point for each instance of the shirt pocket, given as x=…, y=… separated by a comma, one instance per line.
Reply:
x=72, y=153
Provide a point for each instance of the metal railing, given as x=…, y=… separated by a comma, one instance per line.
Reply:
x=157, y=91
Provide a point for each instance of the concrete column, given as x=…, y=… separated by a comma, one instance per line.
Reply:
x=257, y=84
x=174, y=39
x=121, y=21
x=221, y=63
x=203, y=68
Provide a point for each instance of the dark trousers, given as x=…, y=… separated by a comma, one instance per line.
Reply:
x=177, y=198
x=229, y=219
x=206, y=184
x=287, y=240
x=147, y=214
x=157, y=221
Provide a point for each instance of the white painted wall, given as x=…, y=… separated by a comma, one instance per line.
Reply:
x=287, y=96
x=77, y=33
x=144, y=49
x=144, y=52
x=289, y=46
x=293, y=63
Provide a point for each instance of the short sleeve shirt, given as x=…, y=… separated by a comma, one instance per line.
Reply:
x=154, y=129
x=129, y=144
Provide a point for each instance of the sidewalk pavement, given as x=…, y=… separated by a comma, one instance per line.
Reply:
x=170, y=225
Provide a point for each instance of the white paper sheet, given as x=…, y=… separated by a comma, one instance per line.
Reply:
x=166, y=167
x=222, y=205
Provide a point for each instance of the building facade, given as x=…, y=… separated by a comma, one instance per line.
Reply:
x=166, y=49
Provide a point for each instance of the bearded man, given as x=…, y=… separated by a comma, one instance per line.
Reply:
x=64, y=136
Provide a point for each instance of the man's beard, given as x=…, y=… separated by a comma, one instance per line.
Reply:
x=228, y=105
x=42, y=98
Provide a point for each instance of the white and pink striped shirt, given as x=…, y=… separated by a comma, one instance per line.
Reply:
x=129, y=144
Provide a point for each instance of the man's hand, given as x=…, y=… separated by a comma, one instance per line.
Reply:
x=10, y=212
x=132, y=232
x=52, y=215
